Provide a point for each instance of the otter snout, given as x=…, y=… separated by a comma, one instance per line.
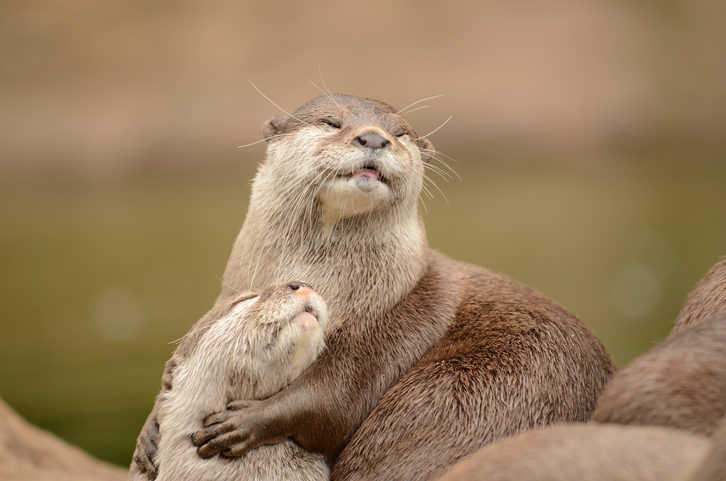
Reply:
x=308, y=318
x=372, y=141
x=301, y=288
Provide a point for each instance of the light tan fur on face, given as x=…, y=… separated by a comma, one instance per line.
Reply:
x=308, y=221
x=250, y=352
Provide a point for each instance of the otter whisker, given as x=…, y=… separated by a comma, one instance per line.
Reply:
x=423, y=203
x=437, y=128
x=251, y=144
x=273, y=103
x=321, y=90
x=436, y=155
x=425, y=190
x=292, y=218
x=403, y=110
x=284, y=177
x=228, y=285
x=417, y=108
x=437, y=187
x=438, y=170
x=262, y=140
x=444, y=155
x=330, y=94
x=325, y=92
x=296, y=213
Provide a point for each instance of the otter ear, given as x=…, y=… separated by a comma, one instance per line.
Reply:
x=426, y=148
x=274, y=127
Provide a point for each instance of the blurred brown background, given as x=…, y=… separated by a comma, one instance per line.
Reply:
x=588, y=135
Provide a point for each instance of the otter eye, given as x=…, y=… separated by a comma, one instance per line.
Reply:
x=244, y=298
x=401, y=133
x=331, y=123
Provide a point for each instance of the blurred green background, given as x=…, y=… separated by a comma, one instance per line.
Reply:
x=589, y=138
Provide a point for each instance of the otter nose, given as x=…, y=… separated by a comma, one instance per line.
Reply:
x=372, y=141
x=301, y=288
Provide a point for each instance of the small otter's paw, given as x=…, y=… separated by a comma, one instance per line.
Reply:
x=147, y=447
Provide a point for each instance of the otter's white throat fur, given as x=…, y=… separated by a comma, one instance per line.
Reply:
x=336, y=204
x=243, y=355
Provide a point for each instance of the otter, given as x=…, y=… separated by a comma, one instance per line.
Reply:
x=248, y=347
x=427, y=358
x=682, y=382
x=709, y=297
x=587, y=452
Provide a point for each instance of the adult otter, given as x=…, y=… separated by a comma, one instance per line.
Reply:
x=428, y=358
x=248, y=347
x=709, y=297
x=682, y=382
x=591, y=452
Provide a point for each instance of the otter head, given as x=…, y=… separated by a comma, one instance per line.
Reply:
x=275, y=333
x=357, y=156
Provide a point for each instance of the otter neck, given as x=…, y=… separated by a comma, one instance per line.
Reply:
x=361, y=265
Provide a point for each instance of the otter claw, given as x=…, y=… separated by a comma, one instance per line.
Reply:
x=203, y=436
x=214, y=419
x=146, y=464
x=208, y=451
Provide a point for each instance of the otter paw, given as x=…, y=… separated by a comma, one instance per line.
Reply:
x=146, y=449
x=212, y=441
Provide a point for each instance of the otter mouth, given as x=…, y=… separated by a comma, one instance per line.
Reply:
x=369, y=172
x=307, y=319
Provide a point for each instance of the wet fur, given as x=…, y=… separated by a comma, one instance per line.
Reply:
x=242, y=349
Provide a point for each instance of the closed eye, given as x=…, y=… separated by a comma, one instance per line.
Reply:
x=331, y=123
x=244, y=298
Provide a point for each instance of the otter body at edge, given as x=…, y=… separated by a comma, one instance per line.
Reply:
x=681, y=382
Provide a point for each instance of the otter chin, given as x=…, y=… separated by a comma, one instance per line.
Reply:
x=359, y=192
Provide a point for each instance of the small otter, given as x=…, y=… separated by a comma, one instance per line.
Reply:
x=427, y=358
x=248, y=347
x=682, y=382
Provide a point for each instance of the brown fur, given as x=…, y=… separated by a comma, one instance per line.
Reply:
x=428, y=359
x=682, y=382
x=713, y=467
x=587, y=453
x=709, y=297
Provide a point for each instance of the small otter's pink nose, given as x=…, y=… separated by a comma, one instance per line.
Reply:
x=301, y=289
x=373, y=141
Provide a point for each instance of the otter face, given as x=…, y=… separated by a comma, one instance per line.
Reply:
x=280, y=330
x=357, y=154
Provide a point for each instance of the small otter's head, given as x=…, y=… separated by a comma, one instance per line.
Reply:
x=355, y=155
x=268, y=337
